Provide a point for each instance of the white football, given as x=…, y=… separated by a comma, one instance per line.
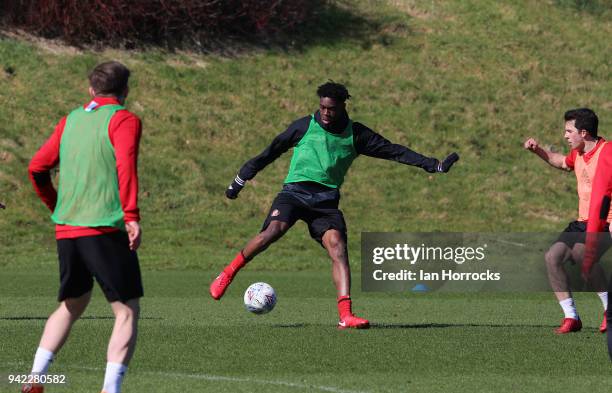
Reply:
x=259, y=298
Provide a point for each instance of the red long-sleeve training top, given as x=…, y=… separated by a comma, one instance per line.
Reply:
x=124, y=131
x=598, y=209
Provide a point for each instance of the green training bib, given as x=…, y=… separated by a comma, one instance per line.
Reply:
x=322, y=157
x=88, y=189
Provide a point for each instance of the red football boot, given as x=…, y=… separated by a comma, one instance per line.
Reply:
x=32, y=388
x=604, y=324
x=352, y=322
x=569, y=325
x=219, y=285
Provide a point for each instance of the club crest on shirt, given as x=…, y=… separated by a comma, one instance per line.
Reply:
x=275, y=213
x=585, y=177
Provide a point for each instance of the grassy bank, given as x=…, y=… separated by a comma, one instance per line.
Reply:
x=474, y=76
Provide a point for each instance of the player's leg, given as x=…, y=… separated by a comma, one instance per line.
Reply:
x=117, y=270
x=60, y=322
x=76, y=284
x=602, y=282
x=558, y=254
x=284, y=212
x=597, y=279
x=123, y=338
x=54, y=336
x=122, y=343
x=272, y=232
x=327, y=226
x=603, y=296
x=334, y=242
x=609, y=320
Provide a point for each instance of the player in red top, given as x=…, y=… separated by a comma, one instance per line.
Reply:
x=586, y=149
x=599, y=209
x=97, y=231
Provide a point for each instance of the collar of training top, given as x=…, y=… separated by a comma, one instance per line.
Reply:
x=101, y=101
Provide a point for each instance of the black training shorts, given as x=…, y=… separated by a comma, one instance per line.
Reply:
x=106, y=257
x=312, y=203
x=576, y=233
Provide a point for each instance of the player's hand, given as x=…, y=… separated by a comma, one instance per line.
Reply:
x=234, y=188
x=134, y=234
x=448, y=162
x=531, y=144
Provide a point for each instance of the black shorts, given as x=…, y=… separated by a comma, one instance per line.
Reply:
x=106, y=257
x=312, y=203
x=576, y=233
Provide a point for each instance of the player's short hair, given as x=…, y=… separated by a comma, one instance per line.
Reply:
x=110, y=78
x=585, y=118
x=334, y=90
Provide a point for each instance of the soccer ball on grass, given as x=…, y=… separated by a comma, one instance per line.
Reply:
x=259, y=298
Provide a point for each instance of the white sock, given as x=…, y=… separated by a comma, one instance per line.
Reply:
x=114, y=377
x=569, y=308
x=42, y=361
x=604, y=299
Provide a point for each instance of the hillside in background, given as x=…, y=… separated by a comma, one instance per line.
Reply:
x=477, y=77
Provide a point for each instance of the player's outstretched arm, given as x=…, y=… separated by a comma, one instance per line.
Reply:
x=556, y=160
x=283, y=142
x=372, y=144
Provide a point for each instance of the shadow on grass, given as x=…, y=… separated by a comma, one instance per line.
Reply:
x=434, y=326
x=336, y=23
x=331, y=24
x=462, y=325
x=600, y=8
x=291, y=325
x=47, y=317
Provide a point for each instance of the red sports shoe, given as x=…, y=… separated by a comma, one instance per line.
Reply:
x=351, y=321
x=569, y=325
x=219, y=285
x=32, y=388
x=604, y=324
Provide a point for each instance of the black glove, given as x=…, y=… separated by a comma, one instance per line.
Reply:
x=234, y=188
x=448, y=162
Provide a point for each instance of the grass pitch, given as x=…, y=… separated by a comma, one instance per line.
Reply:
x=418, y=343
x=475, y=76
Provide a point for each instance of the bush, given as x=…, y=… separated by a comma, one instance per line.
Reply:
x=170, y=23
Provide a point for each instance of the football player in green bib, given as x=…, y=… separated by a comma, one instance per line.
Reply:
x=324, y=147
x=96, y=216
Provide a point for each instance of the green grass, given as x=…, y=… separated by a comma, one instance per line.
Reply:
x=422, y=343
x=475, y=76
